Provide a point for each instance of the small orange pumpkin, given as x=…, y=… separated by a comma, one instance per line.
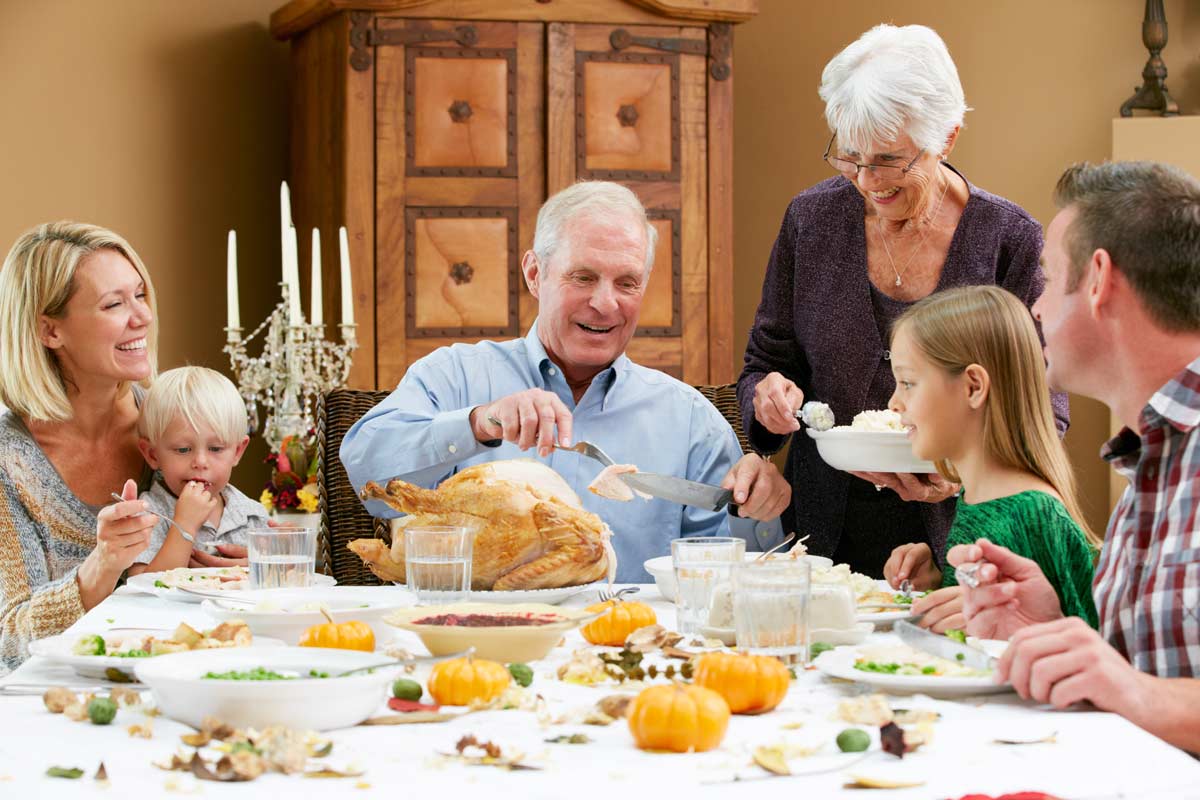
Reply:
x=748, y=683
x=352, y=635
x=464, y=681
x=622, y=619
x=679, y=718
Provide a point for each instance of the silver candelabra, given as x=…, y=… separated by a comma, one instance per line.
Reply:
x=297, y=364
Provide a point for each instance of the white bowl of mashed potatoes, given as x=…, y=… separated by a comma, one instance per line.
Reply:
x=876, y=441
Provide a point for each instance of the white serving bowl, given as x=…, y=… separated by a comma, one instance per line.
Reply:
x=182, y=693
x=853, y=450
x=286, y=613
x=663, y=571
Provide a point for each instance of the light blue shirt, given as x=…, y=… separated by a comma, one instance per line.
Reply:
x=421, y=434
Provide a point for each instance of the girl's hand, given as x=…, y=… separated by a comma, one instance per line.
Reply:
x=942, y=610
x=775, y=402
x=915, y=562
x=931, y=488
x=232, y=555
x=122, y=532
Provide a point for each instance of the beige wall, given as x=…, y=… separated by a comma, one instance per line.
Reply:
x=167, y=121
x=1045, y=80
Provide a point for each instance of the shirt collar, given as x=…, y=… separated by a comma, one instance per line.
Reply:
x=539, y=363
x=1177, y=403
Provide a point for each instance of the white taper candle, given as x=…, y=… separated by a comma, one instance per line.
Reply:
x=347, y=291
x=317, y=315
x=293, y=278
x=231, y=289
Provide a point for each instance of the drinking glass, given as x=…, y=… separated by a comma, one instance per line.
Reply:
x=437, y=562
x=771, y=608
x=701, y=565
x=282, y=557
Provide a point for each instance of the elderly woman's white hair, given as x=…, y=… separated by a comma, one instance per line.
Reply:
x=594, y=199
x=893, y=81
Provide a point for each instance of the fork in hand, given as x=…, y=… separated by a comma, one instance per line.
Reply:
x=182, y=532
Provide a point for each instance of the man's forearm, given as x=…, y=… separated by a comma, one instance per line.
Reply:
x=1170, y=709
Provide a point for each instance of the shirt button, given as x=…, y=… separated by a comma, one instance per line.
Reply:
x=552, y=371
x=453, y=448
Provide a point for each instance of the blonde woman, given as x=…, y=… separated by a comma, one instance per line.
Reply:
x=77, y=346
x=971, y=388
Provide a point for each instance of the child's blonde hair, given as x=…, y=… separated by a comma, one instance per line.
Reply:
x=989, y=326
x=204, y=397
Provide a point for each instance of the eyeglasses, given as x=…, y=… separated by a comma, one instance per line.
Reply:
x=850, y=168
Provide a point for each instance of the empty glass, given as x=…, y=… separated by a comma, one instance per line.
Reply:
x=282, y=557
x=437, y=562
x=771, y=608
x=701, y=565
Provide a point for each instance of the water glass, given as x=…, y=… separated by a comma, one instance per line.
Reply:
x=701, y=565
x=771, y=608
x=282, y=557
x=437, y=562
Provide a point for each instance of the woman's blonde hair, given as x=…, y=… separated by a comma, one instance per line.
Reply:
x=205, y=398
x=38, y=278
x=988, y=326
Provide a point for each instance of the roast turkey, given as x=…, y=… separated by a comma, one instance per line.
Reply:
x=530, y=530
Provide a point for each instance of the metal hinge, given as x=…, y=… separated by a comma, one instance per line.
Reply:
x=718, y=46
x=363, y=37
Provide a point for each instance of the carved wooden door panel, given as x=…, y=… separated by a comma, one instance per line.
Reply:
x=629, y=104
x=459, y=178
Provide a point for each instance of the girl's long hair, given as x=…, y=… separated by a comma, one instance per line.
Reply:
x=988, y=326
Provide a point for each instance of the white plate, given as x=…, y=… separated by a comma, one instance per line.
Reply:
x=856, y=635
x=183, y=693
x=550, y=596
x=853, y=450
x=286, y=613
x=885, y=617
x=839, y=663
x=145, y=583
x=57, y=650
x=663, y=571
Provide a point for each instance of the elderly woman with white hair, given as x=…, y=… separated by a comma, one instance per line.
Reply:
x=895, y=224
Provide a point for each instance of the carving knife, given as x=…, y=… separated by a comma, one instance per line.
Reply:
x=679, y=490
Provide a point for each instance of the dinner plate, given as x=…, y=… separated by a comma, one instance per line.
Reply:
x=204, y=575
x=839, y=663
x=57, y=650
x=853, y=450
x=885, y=616
x=662, y=569
x=550, y=596
x=286, y=613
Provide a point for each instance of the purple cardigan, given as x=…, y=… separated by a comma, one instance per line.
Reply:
x=815, y=324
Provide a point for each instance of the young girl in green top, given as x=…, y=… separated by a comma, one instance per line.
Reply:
x=971, y=388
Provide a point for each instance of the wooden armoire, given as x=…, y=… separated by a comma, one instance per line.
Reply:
x=434, y=130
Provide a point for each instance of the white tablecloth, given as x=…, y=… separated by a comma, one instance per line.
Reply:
x=1095, y=755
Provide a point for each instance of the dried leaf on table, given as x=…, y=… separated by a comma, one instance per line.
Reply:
x=772, y=759
x=198, y=739
x=330, y=772
x=143, y=729
x=872, y=709
x=615, y=705
x=875, y=782
x=58, y=698
x=412, y=718
x=651, y=638
x=64, y=772
x=124, y=696
x=891, y=739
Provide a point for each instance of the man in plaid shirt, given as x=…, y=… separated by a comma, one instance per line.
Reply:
x=1121, y=319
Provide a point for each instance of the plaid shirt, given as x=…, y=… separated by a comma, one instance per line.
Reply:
x=1148, y=580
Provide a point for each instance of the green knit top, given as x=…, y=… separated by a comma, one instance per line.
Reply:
x=1037, y=526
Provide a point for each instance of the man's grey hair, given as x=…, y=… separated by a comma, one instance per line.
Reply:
x=605, y=199
x=1146, y=215
x=893, y=81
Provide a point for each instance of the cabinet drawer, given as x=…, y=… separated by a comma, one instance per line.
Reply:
x=461, y=275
